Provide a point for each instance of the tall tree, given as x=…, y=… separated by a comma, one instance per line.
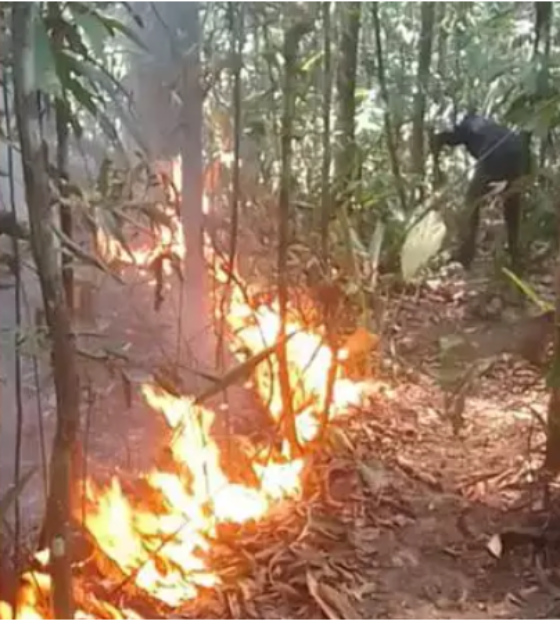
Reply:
x=296, y=26
x=62, y=116
x=191, y=123
x=541, y=55
x=346, y=161
x=326, y=199
x=44, y=247
x=169, y=92
x=387, y=119
x=427, y=14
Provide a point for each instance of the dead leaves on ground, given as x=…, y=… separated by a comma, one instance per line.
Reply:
x=308, y=559
x=334, y=603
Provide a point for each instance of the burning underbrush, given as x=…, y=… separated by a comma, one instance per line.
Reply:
x=184, y=538
x=173, y=536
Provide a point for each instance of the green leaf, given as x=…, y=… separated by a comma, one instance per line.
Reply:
x=95, y=30
x=74, y=39
x=310, y=63
x=46, y=75
x=108, y=128
x=100, y=79
x=116, y=25
x=82, y=96
x=87, y=100
x=422, y=243
x=77, y=69
x=528, y=291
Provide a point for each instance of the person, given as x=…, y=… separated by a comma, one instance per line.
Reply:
x=501, y=156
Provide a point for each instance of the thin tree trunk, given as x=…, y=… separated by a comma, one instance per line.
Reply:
x=326, y=199
x=389, y=133
x=62, y=145
x=541, y=55
x=346, y=160
x=442, y=40
x=66, y=225
x=427, y=14
x=552, y=453
x=235, y=16
x=199, y=329
x=293, y=33
x=63, y=356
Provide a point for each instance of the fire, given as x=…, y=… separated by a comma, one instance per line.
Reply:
x=163, y=541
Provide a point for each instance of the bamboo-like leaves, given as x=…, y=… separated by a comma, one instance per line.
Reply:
x=45, y=71
x=69, y=48
x=73, y=248
x=94, y=28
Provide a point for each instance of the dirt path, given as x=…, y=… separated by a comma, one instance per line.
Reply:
x=441, y=500
x=441, y=496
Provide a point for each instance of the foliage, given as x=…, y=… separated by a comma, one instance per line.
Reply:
x=72, y=41
x=482, y=58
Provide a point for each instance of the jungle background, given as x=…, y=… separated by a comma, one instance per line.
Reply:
x=294, y=140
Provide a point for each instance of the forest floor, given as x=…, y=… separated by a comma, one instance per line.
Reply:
x=409, y=511
x=404, y=515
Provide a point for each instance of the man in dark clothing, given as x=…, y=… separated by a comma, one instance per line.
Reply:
x=501, y=156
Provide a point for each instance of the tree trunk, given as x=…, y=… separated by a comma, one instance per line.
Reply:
x=43, y=245
x=346, y=161
x=389, y=132
x=442, y=40
x=236, y=19
x=541, y=55
x=326, y=199
x=552, y=454
x=66, y=226
x=292, y=35
x=427, y=14
x=198, y=332
x=62, y=137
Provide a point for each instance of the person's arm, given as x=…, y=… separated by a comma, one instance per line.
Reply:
x=446, y=138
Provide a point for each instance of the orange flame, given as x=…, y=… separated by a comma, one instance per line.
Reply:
x=164, y=541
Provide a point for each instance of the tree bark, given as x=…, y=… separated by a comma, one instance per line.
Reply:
x=389, y=132
x=346, y=161
x=326, y=199
x=552, y=452
x=541, y=55
x=198, y=331
x=295, y=29
x=427, y=14
x=63, y=358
